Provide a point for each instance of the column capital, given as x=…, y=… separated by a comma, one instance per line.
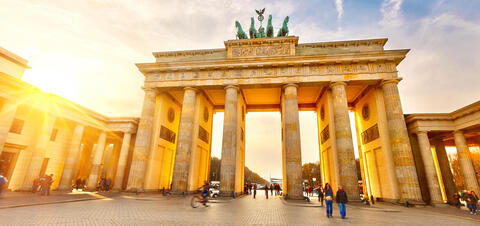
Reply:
x=190, y=88
x=149, y=89
x=232, y=87
x=458, y=132
x=332, y=84
x=388, y=81
x=289, y=85
x=422, y=132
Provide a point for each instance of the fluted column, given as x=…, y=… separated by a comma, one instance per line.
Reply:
x=291, y=142
x=7, y=115
x=97, y=160
x=429, y=165
x=447, y=177
x=72, y=157
x=142, y=142
x=35, y=166
x=343, y=140
x=229, y=142
x=466, y=162
x=401, y=150
x=122, y=161
x=185, y=140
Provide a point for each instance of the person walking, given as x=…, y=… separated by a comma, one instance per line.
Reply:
x=271, y=189
x=249, y=188
x=320, y=196
x=472, y=200
x=254, y=190
x=3, y=182
x=456, y=198
x=35, y=185
x=49, y=182
x=108, y=182
x=43, y=185
x=266, y=190
x=342, y=199
x=328, y=199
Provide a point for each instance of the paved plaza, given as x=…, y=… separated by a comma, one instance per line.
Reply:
x=129, y=209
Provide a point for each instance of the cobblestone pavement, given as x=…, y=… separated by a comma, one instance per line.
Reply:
x=158, y=210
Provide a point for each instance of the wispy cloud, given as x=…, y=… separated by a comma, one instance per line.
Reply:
x=390, y=10
x=339, y=8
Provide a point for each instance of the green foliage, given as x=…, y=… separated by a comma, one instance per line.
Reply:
x=310, y=171
x=253, y=177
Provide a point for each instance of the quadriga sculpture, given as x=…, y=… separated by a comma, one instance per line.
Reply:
x=253, y=32
x=240, y=33
x=284, y=30
x=270, y=27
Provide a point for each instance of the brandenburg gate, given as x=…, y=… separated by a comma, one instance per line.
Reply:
x=183, y=89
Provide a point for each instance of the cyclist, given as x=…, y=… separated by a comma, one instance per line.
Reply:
x=205, y=192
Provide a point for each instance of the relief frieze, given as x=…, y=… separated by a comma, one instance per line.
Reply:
x=255, y=51
x=304, y=70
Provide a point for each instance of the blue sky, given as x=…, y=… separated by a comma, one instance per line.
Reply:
x=85, y=51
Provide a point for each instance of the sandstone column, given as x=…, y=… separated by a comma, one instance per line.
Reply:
x=7, y=115
x=430, y=170
x=444, y=164
x=142, y=142
x=43, y=137
x=343, y=140
x=401, y=150
x=291, y=142
x=122, y=161
x=72, y=157
x=184, y=143
x=229, y=143
x=465, y=162
x=97, y=160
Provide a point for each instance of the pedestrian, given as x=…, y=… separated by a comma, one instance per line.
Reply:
x=472, y=200
x=271, y=189
x=78, y=183
x=320, y=196
x=101, y=184
x=342, y=199
x=328, y=199
x=3, y=182
x=266, y=190
x=35, y=185
x=245, y=188
x=249, y=188
x=254, y=190
x=108, y=182
x=456, y=200
x=373, y=199
x=43, y=185
x=49, y=183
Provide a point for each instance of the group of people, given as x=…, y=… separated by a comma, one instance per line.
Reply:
x=43, y=184
x=251, y=188
x=104, y=184
x=341, y=198
x=469, y=197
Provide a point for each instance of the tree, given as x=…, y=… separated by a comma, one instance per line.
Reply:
x=310, y=171
x=457, y=169
x=253, y=177
x=215, y=169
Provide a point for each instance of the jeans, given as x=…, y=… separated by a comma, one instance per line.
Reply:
x=329, y=207
x=343, y=209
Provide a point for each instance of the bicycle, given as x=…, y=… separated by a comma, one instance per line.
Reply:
x=198, y=199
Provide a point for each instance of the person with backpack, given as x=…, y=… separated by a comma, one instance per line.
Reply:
x=342, y=199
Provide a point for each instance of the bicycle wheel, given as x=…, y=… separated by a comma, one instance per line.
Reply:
x=195, y=202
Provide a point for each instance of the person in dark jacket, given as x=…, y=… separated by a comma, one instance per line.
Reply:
x=456, y=198
x=472, y=200
x=328, y=199
x=342, y=199
x=266, y=190
x=254, y=190
x=320, y=196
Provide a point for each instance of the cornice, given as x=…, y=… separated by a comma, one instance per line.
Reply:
x=14, y=58
x=348, y=43
x=388, y=55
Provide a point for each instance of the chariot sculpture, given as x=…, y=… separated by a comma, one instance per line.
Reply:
x=261, y=33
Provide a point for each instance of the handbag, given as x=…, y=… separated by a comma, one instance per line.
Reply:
x=329, y=198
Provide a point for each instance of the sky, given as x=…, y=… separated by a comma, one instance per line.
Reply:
x=85, y=51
